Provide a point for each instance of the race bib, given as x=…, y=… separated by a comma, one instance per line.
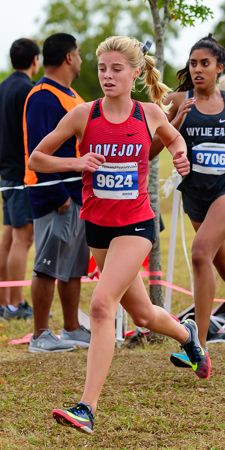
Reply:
x=209, y=158
x=117, y=181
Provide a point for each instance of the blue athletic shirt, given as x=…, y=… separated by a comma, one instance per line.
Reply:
x=44, y=111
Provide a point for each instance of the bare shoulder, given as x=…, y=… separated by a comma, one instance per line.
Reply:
x=152, y=111
x=176, y=98
x=78, y=116
x=83, y=109
x=154, y=115
x=75, y=121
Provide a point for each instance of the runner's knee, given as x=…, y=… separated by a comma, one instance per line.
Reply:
x=100, y=308
x=144, y=319
x=200, y=255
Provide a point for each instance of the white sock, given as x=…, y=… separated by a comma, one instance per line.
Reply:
x=12, y=308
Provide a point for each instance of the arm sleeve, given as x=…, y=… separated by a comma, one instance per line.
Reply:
x=44, y=112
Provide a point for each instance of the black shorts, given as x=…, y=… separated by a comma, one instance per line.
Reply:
x=100, y=237
x=16, y=205
x=195, y=208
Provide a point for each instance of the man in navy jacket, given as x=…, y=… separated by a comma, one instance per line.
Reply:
x=17, y=235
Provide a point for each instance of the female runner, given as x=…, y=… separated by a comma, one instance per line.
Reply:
x=114, y=135
x=198, y=112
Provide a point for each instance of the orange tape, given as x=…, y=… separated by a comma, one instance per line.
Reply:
x=176, y=288
x=96, y=278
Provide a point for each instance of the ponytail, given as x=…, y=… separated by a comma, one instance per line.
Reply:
x=156, y=90
x=184, y=79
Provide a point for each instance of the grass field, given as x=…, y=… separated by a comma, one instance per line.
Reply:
x=146, y=402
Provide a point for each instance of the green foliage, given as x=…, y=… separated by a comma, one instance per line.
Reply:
x=219, y=31
x=91, y=22
x=4, y=74
x=185, y=13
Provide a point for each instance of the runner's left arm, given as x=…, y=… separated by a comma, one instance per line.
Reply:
x=169, y=136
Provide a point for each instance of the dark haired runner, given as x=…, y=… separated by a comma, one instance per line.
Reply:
x=198, y=112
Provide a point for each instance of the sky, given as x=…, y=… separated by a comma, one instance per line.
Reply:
x=18, y=19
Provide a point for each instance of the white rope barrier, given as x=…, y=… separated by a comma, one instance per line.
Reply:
x=184, y=245
x=170, y=266
x=119, y=325
x=45, y=183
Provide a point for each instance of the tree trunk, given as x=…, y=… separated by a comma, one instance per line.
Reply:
x=156, y=292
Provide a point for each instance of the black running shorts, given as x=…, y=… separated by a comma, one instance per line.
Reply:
x=195, y=208
x=100, y=237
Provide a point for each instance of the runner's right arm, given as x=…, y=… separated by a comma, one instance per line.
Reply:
x=74, y=122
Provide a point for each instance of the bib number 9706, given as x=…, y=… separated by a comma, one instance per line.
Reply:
x=209, y=158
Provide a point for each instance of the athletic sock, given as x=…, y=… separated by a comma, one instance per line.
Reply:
x=13, y=308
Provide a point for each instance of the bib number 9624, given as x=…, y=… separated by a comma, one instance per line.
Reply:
x=111, y=181
x=116, y=181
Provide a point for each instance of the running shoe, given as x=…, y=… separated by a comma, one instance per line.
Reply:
x=47, y=342
x=24, y=311
x=180, y=360
x=2, y=309
x=81, y=336
x=80, y=417
x=197, y=356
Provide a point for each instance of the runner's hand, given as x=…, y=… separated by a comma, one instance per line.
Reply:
x=65, y=206
x=181, y=163
x=183, y=109
x=89, y=162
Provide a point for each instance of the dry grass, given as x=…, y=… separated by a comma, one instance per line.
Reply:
x=146, y=402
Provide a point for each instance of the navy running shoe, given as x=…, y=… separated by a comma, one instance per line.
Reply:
x=198, y=357
x=80, y=417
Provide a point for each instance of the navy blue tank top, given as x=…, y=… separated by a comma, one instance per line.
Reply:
x=204, y=135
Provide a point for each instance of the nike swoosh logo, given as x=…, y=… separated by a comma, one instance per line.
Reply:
x=194, y=366
x=81, y=419
x=139, y=229
x=220, y=121
x=134, y=133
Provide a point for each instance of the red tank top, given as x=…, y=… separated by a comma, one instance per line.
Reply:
x=116, y=194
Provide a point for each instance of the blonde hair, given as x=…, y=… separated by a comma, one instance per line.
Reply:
x=132, y=49
x=221, y=83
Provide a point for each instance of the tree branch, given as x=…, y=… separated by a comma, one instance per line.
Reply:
x=166, y=17
x=159, y=35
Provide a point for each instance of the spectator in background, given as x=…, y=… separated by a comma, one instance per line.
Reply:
x=61, y=250
x=17, y=234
